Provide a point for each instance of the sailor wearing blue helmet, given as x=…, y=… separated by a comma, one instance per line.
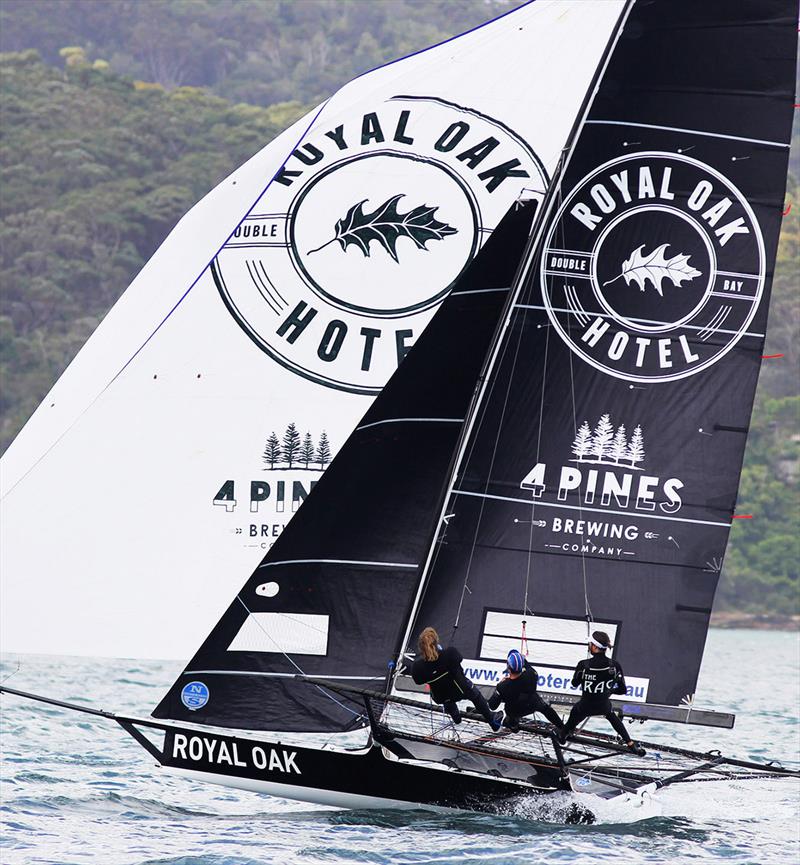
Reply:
x=517, y=692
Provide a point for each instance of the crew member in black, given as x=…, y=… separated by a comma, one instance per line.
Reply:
x=441, y=670
x=517, y=693
x=599, y=677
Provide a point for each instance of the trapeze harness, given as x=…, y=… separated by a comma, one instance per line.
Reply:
x=599, y=677
x=448, y=683
x=519, y=698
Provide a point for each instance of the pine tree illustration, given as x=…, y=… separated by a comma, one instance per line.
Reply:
x=323, y=451
x=272, y=452
x=307, y=449
x=291, y=444
x=619, y=447
x=636, y=447
x=603, y=434
x=583, y=442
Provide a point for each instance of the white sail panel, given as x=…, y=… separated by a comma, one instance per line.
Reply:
x=286, y=633
x=193, y=423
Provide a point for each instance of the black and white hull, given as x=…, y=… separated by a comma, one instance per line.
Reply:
x=371, y=777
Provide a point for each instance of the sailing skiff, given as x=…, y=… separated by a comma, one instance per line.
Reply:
x=559, y=451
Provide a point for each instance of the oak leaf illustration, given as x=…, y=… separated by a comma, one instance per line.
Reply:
x=640, y=268
x=387, y=225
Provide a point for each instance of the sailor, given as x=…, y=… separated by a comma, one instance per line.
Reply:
x=517, y=693
x=441, y=670
x=598, y=677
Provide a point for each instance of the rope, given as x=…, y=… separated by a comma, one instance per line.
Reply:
x=525, y=608
x=475, y=435
x=586, y=605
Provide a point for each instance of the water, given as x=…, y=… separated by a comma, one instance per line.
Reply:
x=77, y=790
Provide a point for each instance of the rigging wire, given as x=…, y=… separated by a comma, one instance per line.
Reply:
x=291, y=660
x=586, y=604
x=476, y=434
x=525, y=608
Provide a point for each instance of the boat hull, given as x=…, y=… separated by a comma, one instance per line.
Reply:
x=367, y=778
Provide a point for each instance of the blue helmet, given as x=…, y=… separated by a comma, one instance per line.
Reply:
x=515, y=662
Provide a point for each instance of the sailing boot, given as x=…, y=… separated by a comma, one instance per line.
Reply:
x=451, y=707
x=634, y=748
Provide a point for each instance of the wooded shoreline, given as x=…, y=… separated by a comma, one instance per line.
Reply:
x=730, y=619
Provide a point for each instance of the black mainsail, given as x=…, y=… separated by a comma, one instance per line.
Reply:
x=599, y=479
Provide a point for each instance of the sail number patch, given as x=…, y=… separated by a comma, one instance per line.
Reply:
x=224, y=752
x=653, y=268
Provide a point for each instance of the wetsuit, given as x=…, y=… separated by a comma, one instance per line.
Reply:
x=519, y=698
x=599, y=677
x=448, y=684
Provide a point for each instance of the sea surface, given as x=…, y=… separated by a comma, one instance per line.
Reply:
x=74, y=789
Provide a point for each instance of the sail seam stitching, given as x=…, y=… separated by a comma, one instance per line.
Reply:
x=479, y=291
x=337, y=562
x=689, y=131
x=412, y=420
x=593, y=510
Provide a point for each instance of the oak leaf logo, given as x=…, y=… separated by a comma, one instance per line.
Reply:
x=387, y=225
x=655, y=267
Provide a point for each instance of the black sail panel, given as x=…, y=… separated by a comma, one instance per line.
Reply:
x=332, y=596
x=599, y=480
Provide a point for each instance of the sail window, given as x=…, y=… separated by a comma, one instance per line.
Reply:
x=551, y=641
x=284, y=633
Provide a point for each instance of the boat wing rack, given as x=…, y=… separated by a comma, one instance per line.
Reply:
x=418, y=729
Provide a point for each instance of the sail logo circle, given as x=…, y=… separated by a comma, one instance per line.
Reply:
x=194, y=695
x=653, y=268
x=339, y=266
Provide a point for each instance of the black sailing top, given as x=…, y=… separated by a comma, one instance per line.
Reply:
x=516, y=694
x=599, y=677
x=445, y=677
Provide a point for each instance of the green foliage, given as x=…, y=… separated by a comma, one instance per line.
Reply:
x=101, y=155
x=762, y=565
x=255, y=51
x=95, y=171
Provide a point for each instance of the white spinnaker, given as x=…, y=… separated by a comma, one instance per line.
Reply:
x=111, y=541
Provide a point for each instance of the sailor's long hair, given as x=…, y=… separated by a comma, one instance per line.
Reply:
x=429, y=644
